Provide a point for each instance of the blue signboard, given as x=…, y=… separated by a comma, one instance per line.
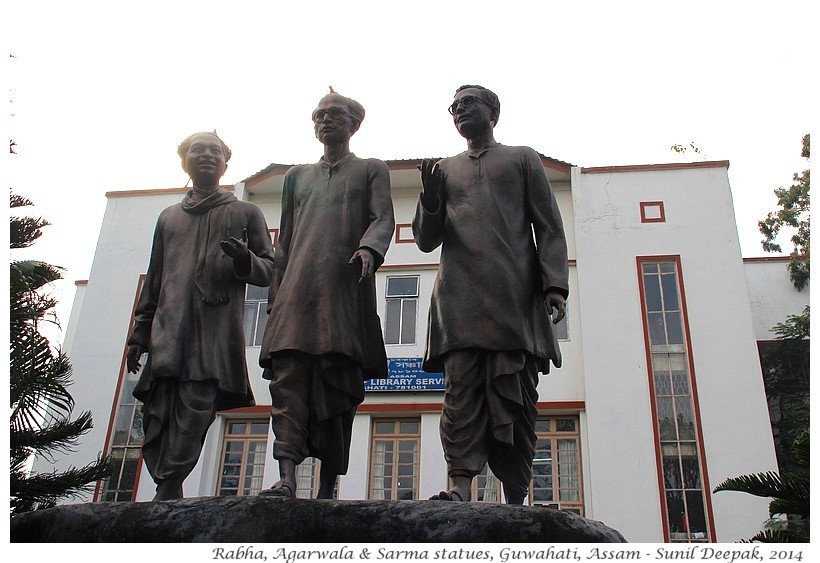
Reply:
x=405, y=374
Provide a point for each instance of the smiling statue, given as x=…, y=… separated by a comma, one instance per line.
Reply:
x=190, y=312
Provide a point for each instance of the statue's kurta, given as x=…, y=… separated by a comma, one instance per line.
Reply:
x=494, y=274
x=318, y=305
x=190, y=312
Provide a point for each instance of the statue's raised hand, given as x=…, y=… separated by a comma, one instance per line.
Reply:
x=431, y=182
x=236, y=248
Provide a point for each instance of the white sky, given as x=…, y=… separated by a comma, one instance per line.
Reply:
x=101, y=94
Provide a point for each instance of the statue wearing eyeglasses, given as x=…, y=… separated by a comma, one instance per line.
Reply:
x=323, y=337
x=503, y=271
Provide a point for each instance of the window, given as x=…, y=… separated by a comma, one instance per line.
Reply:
x=126, y=441
x=256, y=314
x=243, y=457
x=561, y=330
x=676, y=419
x=556, y=469
x=486, y=487
x=400, y=313
x=307, y=479
x=652, y=212
x=404, y=233
x=394, y=459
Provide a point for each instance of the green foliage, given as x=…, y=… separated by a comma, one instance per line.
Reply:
x=786, y=376
x=39, y=377
x=790, y=497
x=794, y=213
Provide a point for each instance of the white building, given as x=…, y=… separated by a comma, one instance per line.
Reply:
x=660, y=398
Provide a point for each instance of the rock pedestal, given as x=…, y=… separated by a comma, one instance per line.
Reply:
x=274, y=520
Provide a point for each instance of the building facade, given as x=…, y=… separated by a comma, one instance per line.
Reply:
x=659, y=399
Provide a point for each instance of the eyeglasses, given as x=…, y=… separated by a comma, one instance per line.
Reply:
x=465, y=102
x=335, y=113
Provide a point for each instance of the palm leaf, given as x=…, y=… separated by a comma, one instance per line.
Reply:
x=60, y=436
x=780, y=536
x=39, y=381
x=766, y=484
x=42, y=490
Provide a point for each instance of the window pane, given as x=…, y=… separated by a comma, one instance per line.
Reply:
x=259, y=428
x=123, y=426
x=675, y=511
x=392, y=321
x=126, y=395
x=116, y=456
x=256, y=293
x=697, y=517
x=563, y=425
x=561, y=330
x=670, y=293
x=662, y=385
x=306, y=478
x=398, y=287
x=249, y=322
x=408, y=327
x=261, y=322
x=129, y=469
x=230, y=482
x=653, y=293
x=650, y=268
x=542, y=425
x=671, y=473
x=691, y=473
x=237, y=428
x=666, y=418
x=409, y=427
x=686, y=419
x=674, y=328
x=383, y=427
x=135, y=438
x=657, y=334
x=680, y=375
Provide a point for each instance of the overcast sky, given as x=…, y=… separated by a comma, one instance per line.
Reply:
x=101, y=93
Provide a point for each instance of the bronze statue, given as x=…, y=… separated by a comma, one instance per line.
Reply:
x=323, y=337
x=496, y=287
x=190, y=312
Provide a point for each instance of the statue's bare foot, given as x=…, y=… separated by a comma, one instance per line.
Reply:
x=280, y=489
x=448, y=495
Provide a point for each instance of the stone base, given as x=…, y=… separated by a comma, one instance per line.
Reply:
x=275, y=520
